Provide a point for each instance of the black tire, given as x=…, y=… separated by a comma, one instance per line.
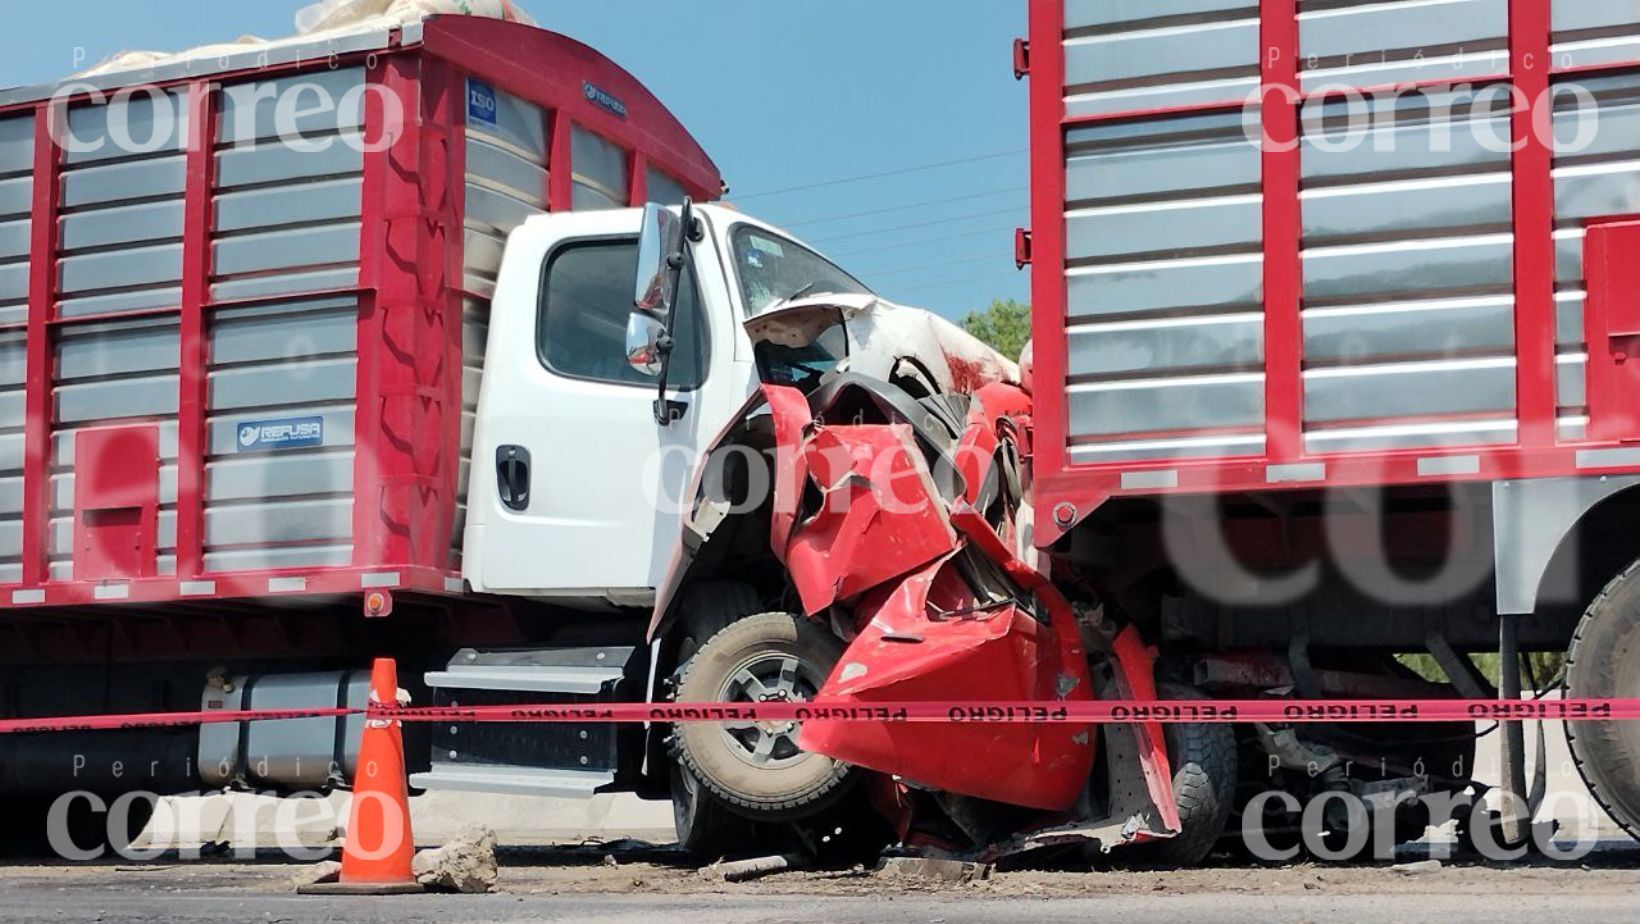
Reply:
x=1204, y=761
x=706, y=828
x=708, y=607
x=785, y=783
x=1604, y=663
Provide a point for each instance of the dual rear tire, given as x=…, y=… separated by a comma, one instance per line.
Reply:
x=1604, y=663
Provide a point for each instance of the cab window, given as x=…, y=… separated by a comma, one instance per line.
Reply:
x=586, y=296
x=771, y=269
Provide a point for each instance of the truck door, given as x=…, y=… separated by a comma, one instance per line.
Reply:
x=575, y=488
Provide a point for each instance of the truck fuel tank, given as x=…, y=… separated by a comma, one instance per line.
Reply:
x=290, y=754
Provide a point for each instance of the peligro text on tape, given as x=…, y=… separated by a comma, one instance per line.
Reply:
x=1173, y=711
x=1079, y=712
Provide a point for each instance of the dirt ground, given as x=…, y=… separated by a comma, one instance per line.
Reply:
x=629, y=881
x=631, y=868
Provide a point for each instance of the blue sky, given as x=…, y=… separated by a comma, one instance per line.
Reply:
x=782, y=93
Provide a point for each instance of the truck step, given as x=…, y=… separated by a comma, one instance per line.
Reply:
x=572, y=681
x=572, y=760
x=577, y=672
x=518, y=781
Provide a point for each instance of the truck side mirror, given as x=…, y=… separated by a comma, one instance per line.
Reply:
x=643, y=339
x=663, y=251
x=660, y=242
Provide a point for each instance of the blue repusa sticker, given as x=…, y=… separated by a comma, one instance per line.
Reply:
x=285, y=433
x=604, y=100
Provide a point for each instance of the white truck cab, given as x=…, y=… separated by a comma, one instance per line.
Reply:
x=573, y=477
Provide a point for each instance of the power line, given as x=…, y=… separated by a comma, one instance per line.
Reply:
x=983, y=277
x=1019, y=211
x=998, y=229
x=908, y=207
x=922, y=266
x=887, y=173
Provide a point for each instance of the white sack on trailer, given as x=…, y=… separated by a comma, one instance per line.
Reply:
x=318, y=21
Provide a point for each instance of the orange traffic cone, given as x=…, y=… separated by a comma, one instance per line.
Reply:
x=377, y=856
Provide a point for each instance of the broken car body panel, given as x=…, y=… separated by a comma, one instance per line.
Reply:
x=896, y=517
x=939, y=611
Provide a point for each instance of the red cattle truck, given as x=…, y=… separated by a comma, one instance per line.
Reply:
x=246, y=300
x=1337, y=350
x=315, y=351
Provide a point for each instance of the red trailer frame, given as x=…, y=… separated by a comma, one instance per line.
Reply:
x=410, y=287
x=1067, y=492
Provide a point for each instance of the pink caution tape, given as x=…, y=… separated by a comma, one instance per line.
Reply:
x=1080, y=712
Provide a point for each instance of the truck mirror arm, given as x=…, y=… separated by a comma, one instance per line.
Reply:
x=667, y=410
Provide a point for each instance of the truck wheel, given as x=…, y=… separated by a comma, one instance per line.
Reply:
x=756, y=768
x=1604, y=663
x=1204, y=761
x=706, y=828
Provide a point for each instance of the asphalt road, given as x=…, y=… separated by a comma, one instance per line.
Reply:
x=627, y=881
x=604, y=884
x=1224, y=908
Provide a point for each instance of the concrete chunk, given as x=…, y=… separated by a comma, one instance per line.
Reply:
x=957, y=871
x=466, y=864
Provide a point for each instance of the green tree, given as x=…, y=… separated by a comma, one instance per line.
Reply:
x=1006, y=326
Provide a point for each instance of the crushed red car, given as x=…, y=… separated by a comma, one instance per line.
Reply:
x=891, y=507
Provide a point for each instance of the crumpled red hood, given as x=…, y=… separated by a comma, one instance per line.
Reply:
x=860, y=519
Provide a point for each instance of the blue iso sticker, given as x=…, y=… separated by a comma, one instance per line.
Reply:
x=288, y=433
x=481, y=106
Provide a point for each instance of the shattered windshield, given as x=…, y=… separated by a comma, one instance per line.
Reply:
x=802, y=367
x=772, y=269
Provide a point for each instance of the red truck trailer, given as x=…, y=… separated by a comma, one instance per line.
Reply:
x=1336, y=328
x=335, y=282
x=243, y=313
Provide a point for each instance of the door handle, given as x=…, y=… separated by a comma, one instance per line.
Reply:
x=512, y=476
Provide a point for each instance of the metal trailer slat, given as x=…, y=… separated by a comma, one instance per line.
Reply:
x=1163, y=238
x=16, y=238
x=310, y=242
x=1596, y=173
x=1378, y=44
x=1128, y=56
x=279, y=361
x=1401, y=293
x=12, y=404
x=602, y=172
x=1590, y=33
